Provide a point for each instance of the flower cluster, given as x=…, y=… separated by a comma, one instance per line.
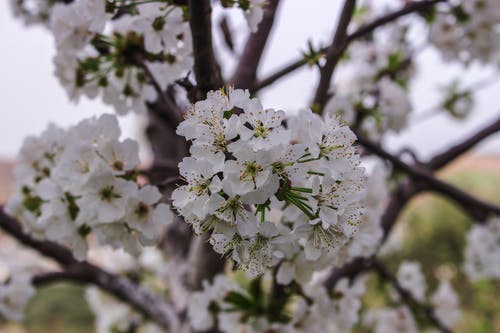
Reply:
x=371, y=94
x=467, y=30
x=266, y=186
x=116, y=49
x=235, y=309
x=15, y=295
x=482, y=253
x=81, y=181
x=363, y=243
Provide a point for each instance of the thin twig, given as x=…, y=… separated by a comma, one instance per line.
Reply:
x=483, y=83
x=170, y=111
x=333, y=54
x=441, y=159
x=408, y=8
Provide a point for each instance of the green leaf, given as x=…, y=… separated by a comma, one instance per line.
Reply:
x=255, y=290
x=239, y=300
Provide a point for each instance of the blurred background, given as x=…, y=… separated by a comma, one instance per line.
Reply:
x=431, y=230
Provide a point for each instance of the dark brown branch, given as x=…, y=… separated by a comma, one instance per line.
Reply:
x=478, y=209
x=122, y=288
x=206, y=68
x=205, y=262
x=410, y=7
x=349, y=270
x=52, y=250
x=208, y=77
x=165, y=107
x=407, y=297
x=399, y=198
x=333, y=54
x=440, y=160
x=246, y=70
x=292, y=66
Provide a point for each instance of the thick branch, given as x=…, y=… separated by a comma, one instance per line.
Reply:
x=206, y=68
x=52, y=250
x=478, y=209
x=349, y=270
x=333, y=54
x=122, y=288
x=440, y=160
x=208, y=77
x=410, y=7
x=246, y=71
x=407, y=297
x=205, y=262
x=400, y=197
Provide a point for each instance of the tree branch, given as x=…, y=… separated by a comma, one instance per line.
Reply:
x=208, y=77
x=292, y=66
x=122, y=288
x=476, y=208
x=407, y=297
x=349, y=270
x=333, y=54
x=408, y=8
x=246, y=70
x=440, y=160
x=52, y=250
x=206, y=68
x=165, y=107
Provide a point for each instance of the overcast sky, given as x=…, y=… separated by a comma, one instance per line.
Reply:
x=30, y=96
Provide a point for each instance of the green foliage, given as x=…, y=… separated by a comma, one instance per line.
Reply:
x=60, y=308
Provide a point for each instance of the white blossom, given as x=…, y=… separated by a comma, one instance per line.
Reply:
x=482, y=252
x=15, y=295
x=410, y=277
x=76, y=182
x=391, y=320
x=446, y=304
x=244, y=160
